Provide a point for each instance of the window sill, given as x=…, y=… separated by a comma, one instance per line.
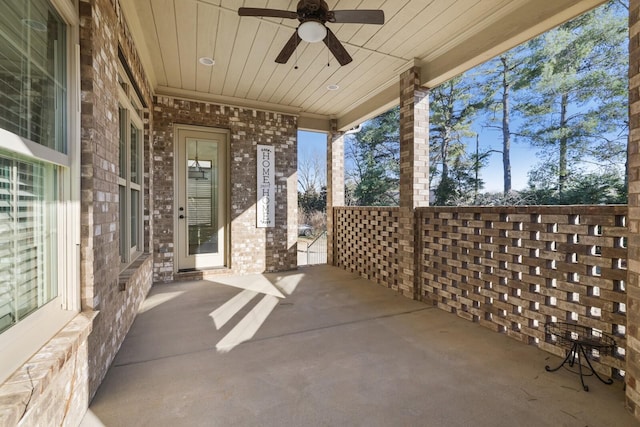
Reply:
x=31, y=381
x=130, y=270
x=124, y=266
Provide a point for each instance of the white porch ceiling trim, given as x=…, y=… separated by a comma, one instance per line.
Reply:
x=132, y=19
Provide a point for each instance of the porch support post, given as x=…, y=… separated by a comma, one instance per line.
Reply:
x=335, y=185
x=414, y=176
x=632, y=374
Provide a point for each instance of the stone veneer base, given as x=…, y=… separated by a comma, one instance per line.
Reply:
x=52, y=386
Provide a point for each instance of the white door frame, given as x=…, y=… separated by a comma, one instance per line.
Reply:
x=182, y=260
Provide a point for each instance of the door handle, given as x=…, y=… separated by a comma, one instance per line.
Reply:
x=181, y=216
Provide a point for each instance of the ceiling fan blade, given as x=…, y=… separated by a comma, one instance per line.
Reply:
x=288, y=49
x=270, y=13
x=336, y=48
x=357, y=16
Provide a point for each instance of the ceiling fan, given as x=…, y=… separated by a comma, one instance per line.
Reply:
x=313, y=15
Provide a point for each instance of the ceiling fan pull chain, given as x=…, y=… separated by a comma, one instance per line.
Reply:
x=295, y=67
x=328, y=57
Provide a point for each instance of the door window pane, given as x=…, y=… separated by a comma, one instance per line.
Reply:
x=202, y=202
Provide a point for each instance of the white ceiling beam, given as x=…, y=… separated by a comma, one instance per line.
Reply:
x=314, y=123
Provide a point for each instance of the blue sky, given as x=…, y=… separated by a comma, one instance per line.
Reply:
x=522, y=157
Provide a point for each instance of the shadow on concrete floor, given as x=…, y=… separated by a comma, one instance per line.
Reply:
x=323, y=347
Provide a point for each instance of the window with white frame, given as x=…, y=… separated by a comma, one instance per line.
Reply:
x=37, y=277
x=131, y=166
x=28, y=237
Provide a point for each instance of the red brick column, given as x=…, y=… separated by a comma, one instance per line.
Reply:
x=335, y=185
x=633, y=279
x=414, y=174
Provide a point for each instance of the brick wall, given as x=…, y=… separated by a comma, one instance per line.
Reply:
x=414, y=140
x=511, y=269
x=368, y=243
x=55, y=386
x=253, y=249
x=633, y=334
x=335, y=184
x=103, y=33
x=414, y=173
x=51, y=388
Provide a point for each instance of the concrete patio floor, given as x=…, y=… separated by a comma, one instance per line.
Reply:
x=323, y=347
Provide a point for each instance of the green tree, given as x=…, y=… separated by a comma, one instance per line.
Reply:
x=575, y=109
x=373, y=156
x=312, y=189
x=587, y=188
x=504, y=76
x=312, y=172
x=462, y=184
x=312, y=201
x=453, y=106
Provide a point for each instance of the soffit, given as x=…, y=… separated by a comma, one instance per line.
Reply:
x=443, y=37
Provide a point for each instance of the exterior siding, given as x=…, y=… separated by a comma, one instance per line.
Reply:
x=103, y=38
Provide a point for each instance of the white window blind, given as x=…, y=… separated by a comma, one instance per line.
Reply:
x=199, y=199
x=27, y=235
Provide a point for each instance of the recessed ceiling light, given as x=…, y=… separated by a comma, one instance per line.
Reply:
x=205, y=60
x=34, y=25
x=333, y=87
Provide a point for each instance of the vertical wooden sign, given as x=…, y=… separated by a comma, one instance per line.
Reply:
x=266, y=203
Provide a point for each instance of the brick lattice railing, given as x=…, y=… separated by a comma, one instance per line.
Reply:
x=367, y=243
x=511, y=269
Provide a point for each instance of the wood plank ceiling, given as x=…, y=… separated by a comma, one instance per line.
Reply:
x=444, y=37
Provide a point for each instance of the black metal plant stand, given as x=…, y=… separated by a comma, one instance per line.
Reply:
x=579, y=340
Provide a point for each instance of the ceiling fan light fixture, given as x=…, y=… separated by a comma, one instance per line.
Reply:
x=312, y=31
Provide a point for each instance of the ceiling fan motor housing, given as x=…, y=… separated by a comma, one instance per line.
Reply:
x=313, y=10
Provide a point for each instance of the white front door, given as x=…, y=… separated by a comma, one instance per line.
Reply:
x=201, y=195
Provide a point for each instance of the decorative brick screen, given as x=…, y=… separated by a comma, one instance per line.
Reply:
x=368, y=243
x=512, y=269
